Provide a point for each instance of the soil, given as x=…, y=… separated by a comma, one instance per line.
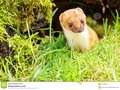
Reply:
x=5, y=50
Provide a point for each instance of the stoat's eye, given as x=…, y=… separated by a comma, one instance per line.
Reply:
x=70, y=25
x=81, y=20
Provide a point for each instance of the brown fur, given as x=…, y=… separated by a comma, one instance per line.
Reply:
x=93, y=39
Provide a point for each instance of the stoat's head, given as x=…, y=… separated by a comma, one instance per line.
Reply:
x=73, y=19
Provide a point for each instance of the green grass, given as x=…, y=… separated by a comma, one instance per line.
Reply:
x=51, y=60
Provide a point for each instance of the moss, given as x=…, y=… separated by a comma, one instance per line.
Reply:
x=16, y=12
x=3, y=33
x=23, y=49
x=47, y=10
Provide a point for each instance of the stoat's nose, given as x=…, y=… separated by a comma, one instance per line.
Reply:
x=78, y=30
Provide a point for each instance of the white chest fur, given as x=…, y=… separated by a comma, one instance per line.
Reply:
x=78, y=41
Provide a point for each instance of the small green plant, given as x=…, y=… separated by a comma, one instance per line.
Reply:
x=116, y=20
x=106, y=26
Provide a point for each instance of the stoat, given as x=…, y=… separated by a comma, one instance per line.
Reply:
x=79, y=35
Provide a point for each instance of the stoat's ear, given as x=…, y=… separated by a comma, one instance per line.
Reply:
x=62, y=17
x=80, y=10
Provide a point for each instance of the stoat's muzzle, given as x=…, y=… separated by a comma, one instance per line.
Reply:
x=78, y=30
